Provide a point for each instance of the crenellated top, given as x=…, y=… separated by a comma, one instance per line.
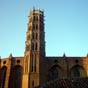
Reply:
x=36, y=11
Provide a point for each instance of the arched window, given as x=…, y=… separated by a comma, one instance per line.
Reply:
x=18, y=77
x=76, y=72
x=35, y=18
x=53, y=73
x=15, y=80
x=2, y=76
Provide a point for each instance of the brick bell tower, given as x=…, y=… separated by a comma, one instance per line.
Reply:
x=35, y=48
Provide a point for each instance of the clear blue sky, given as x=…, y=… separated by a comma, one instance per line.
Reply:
x=66, y=26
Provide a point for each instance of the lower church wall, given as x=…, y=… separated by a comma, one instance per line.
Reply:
x=49, y=70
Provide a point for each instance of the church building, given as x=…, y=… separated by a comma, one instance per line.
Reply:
x=35, y=68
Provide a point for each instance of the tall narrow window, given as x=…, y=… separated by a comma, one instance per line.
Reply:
x=35, y=63
x=2, y=76
x=15, y=80
x=34, y=18
x=36, y=36
x=18, y=77
x=36, y=46
x=36, y=26
x=32, y=47
x=33, y=83
x=32, y=63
